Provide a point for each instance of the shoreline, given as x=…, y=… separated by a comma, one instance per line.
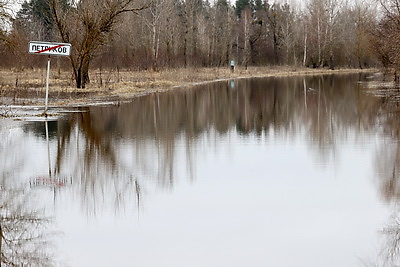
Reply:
x=26, y=89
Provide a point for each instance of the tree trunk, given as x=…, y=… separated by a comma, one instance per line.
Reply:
x=276, y=44
x=154, y=47
x=82, y=73
x=319, y=40
x=1, y=243
x=305, y=50
x=185, y=45
x=78, y=78
x=246, y=38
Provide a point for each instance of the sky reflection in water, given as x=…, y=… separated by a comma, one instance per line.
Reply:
x=264, y=172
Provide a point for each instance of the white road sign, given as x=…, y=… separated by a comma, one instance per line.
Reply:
x=51, y=49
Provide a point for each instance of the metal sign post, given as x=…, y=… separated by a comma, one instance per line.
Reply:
x=47, y=85
x=50, y=49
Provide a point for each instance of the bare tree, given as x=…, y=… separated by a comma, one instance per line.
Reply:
x=155, y=19
x=275, y=22
x=305, y=39
x=219, y=32
x=203, y=33
x=246, y=29
x=318, y=29
x=364, y=20
x=387, y=37
x=333, y=9
x=5, y=16
x=287, y=27
x=86, y=26
x=191, y=14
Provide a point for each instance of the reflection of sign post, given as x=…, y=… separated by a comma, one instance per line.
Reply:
x=50, y=49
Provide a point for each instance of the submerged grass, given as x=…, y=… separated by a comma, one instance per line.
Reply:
x=27, y=87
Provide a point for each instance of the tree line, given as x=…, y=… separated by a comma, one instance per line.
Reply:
x=157, y=34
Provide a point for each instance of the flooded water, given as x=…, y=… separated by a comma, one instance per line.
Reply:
x=300, y=171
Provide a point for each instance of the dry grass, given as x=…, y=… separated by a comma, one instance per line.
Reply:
x=27, y=87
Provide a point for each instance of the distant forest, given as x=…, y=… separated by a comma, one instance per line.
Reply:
x=157, y=34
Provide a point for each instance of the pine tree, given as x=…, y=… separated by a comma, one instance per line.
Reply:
x=36, y=16
x=240, y=5
x=258, y=5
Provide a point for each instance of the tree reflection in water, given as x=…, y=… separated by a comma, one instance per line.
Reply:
x=24, y=229
x=113, y=153
x=387, y=162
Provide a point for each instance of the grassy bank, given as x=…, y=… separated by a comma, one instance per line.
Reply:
x=28, y=87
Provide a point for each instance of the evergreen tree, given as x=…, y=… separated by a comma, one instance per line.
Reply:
x=258, y=5
x=240, y=5
x=35, y=16
x=41, y=12
x=222, y=4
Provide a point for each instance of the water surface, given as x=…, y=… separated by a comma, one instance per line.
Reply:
x=299, y=171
